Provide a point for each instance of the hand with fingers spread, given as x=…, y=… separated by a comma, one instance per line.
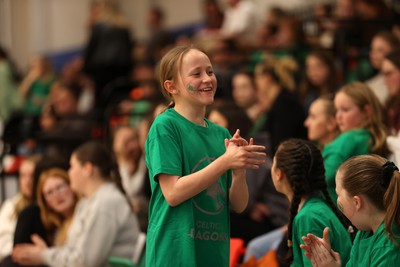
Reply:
x=29, y=254
x=319, y=251
x=244, y=156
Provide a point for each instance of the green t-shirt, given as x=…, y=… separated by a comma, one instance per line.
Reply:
x=374, y=250
x=346, y=145
x=37, y=95
x=313, y=217
x=196, y=232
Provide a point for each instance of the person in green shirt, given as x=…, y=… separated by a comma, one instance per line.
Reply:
x=360, y=118
x=298, y=172
x=197, y=171
x=368, y=195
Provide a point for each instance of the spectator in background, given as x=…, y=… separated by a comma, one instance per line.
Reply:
x=132, y=167
x=360, y=119
x=35, y=86
x=244, y=94
x=382, y=44
x=72, y=72
x=10, y=98
x=11, y=208
x=108, y=52
x=275, y=85
x=320, y=77
x=321, y=124
x=71, y=128
x=213, y=16
x=241, y=21
x=103, y=224
x=160, y=38
x=390, y=71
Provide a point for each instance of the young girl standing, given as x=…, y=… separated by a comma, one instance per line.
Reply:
x=368, y=195
x=360, y=119
x=189, y=164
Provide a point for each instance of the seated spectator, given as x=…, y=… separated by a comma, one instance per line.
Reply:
x=244, y=94
x=322, y=129
x=390, y=71
x=241, y=21
x=103, y=206
x=12, y=207
x=275, y=85
x=321, y=124
x=320, y=77
x=367, y=188
x=382, y=44
x=9, y=79
x=360, y=118
x=298, y=172
x=132, y=167
x=36, y=85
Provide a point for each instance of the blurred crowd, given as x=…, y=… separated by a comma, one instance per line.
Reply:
x=277, y=70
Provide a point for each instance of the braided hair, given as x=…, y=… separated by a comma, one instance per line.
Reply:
x=302, y=163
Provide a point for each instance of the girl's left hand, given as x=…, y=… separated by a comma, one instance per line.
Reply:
x=238, y=140
x=319, y=252
x=29, y=254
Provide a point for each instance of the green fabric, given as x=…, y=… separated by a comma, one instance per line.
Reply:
x=196, y=232
x=37, y=95
x=10, y=99
x=374, y=250
x=313, y=217
x=346, y=145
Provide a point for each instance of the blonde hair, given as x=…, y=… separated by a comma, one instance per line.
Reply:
x=169, y=67
x=378, y=180
x=363, y=96
x=25, y=201
x=282, y=70
x=110, y=13
x=52, y=220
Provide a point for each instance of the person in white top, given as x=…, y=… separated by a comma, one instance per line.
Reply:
x=12, y=207
x=241, y=21
x=103, y=224
x=382, y=44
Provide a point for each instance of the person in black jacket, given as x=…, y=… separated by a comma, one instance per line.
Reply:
x=107, y=55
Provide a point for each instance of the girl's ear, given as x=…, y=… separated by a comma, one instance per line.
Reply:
x=332, y=125
x=368, y=110
x=358, y=202
x=279, y=174
x=88, y=169
x=170, y=87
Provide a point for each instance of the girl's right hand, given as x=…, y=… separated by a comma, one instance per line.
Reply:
x=319, y=251
x=241, y=156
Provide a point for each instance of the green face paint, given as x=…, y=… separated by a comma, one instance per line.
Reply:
x=190, y=88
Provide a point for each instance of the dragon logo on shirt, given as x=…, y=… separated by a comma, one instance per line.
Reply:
x=212, y=200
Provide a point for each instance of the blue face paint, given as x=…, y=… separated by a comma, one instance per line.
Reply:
x=190, y=88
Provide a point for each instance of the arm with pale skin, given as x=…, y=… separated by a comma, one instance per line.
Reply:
x=238, y=156
x=319, y=251
x=30, y=254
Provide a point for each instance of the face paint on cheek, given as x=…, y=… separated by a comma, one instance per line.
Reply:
x=190, y=88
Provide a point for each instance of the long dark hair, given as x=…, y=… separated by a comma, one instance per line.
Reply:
x=101, y=157
x=302, y=163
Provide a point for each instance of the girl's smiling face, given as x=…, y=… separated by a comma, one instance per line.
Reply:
x=348, y=115
x=196, y=82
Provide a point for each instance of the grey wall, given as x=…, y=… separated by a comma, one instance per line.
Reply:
x=51, y=26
